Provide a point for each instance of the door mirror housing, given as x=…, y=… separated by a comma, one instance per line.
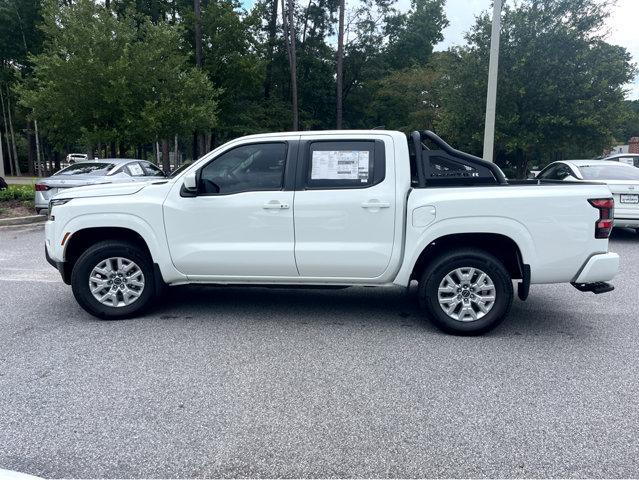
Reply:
x=190, y=182
x=189, y=185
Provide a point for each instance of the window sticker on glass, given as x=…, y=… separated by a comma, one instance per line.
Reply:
x=136, y=170
x=340, y=165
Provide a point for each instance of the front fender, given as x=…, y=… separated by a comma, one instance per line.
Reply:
x=417, y=239
x=155, y=241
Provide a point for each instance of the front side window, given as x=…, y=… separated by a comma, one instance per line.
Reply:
x=134, y=169
x=243, y=169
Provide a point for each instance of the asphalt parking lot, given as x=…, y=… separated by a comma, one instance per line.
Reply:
x=227, y=382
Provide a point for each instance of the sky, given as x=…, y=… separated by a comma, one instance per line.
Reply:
x=622, y=27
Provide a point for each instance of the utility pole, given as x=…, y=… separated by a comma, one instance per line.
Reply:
x=491, y=95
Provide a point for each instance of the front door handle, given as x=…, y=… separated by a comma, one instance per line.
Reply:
x=275, y=205
x=376, y=204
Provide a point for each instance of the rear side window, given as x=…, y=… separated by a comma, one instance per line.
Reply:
x=134, y=169
x=609, y=172
x=89, y=168
x=344, y=164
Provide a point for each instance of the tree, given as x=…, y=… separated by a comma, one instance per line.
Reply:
x=103, y=78
x=628, y=121
x=340, y=65
x=561, y=84
x=288, y=20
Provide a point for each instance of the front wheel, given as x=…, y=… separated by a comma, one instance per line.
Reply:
x=466, y=292
x=113, y=280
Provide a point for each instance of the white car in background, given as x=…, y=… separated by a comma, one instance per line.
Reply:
x=621, y=178
x=94, y=172
x=76, y=157
x=627, y=158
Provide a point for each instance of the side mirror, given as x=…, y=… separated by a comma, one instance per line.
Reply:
x=190, y=182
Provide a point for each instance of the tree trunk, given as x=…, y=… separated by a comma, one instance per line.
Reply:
x=175, y=152
x=31, y=150
x=112, y=148
x=272, y=27
x=121, y=150
x=340, y=65
x=201, y=144
x=194, y=146
x=13, y=139
x=289, y=37
x=56, y=160
x=197, y=8
x=6, y=134
x=2, y=174
x=310, y=2
x=166, y=164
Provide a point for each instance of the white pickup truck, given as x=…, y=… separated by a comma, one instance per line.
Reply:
x=335, y=208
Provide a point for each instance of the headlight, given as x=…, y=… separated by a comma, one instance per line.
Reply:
x=54, y=203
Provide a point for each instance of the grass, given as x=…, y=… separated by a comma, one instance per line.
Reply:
x=18, y=192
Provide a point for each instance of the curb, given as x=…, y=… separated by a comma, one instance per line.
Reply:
x=4, y=222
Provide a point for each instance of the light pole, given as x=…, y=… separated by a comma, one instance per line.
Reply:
x=491, y=95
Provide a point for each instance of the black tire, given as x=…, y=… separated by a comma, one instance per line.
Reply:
x=98, y=253
x=435, y=273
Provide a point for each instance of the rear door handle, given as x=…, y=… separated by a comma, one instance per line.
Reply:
x=376, y=204
x=275, y=205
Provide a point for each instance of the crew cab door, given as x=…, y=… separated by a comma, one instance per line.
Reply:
x=345, y=207
x=239, y=222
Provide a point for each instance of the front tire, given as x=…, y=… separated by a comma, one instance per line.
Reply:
x=466, y=292
x=113, y=280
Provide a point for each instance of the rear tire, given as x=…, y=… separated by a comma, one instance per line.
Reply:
x=113, y=280
x=466, y=292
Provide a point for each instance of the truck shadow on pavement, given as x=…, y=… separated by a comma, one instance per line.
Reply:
x=624, y=235
x=383, y=308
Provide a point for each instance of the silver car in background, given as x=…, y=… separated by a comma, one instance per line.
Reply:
x=94, y=172
x=621, y=178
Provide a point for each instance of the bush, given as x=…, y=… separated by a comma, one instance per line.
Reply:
x=18, y=192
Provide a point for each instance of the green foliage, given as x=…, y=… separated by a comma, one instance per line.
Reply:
x=560, y=84
x=628, y=121
x=123, y=71
x=103, y=78
x=18, y=192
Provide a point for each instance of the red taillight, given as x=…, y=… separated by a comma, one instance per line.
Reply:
x=603, y=226
x=41, y=187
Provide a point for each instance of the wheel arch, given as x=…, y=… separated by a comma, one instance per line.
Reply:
x=498, y=245
x=82, y=239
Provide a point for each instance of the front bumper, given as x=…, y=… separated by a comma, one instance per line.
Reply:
x=59, y=266
x=599, y=268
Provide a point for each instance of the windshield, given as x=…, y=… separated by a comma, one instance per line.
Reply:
x=94, y=168
x=609, y=172
x=180, y=169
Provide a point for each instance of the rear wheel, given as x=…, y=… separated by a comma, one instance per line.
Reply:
x=113, y=280
x=466, y=292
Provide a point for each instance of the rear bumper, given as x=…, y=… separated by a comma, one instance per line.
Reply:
x=599, y=268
